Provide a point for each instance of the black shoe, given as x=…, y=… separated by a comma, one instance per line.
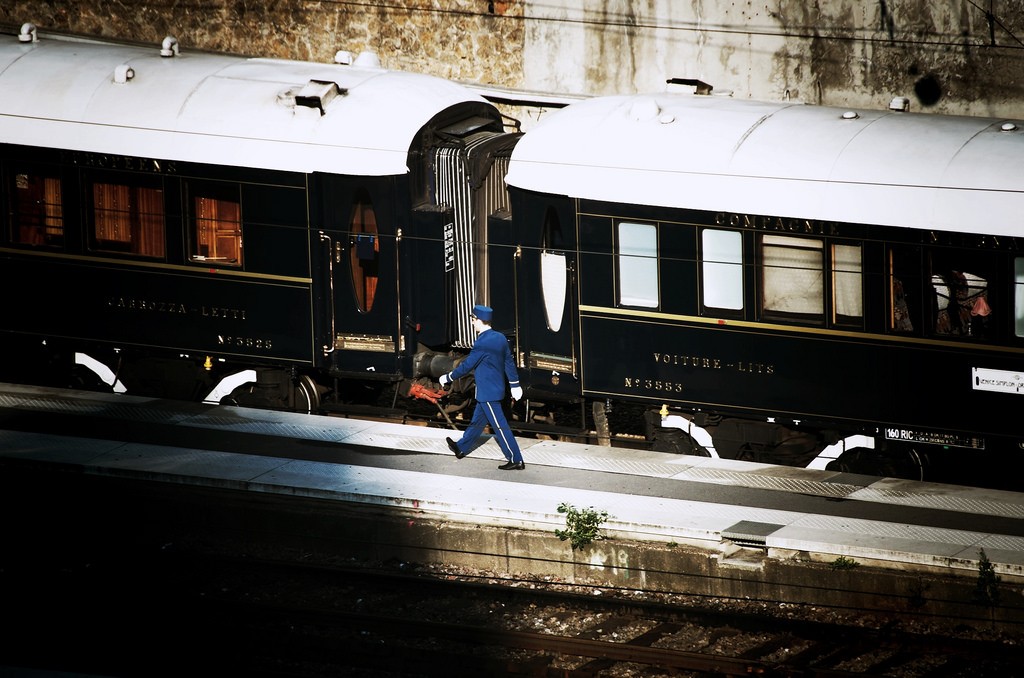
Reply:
x=455, y=448
x=513, y=466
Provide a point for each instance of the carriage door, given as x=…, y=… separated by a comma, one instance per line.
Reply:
x=359, y=238
x=547, y=299
x=469, y=179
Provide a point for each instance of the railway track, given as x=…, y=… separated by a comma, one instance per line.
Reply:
x=523, y=628
x=288, y=614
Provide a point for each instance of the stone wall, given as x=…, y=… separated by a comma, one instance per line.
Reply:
x=458, y=39
x=950, y=56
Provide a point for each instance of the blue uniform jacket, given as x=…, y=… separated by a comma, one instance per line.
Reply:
x=491, y=362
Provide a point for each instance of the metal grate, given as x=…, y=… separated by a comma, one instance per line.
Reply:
x=749, y=533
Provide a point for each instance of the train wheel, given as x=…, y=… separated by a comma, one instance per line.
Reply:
x=305, y=395
x=896, y=462
x=277, y=389
x=84, y=379
x=676, y=441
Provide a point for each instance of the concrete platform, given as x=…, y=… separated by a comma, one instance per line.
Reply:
x=717, y=505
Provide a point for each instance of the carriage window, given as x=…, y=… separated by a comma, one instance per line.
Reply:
x=553, y=271
x=638, y=264
x=959, y=288
x=217, y=226
x=364, y=249
x=38, y=214
x=128, y=218
x=1018, y=297
x=792, y=277
x=722, y=269
x=904, y=270
x=961, y=303
x=847, y=286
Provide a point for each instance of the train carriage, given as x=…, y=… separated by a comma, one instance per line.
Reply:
x=181, y=216
x=771, y=281
x=779, y=280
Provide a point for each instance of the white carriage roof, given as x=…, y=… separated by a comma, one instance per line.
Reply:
x=211, y=108
x=781, y=159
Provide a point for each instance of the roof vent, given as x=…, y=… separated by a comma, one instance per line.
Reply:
x=699, y=86
x=123, y=74
x=318, y=93
x=644, y=108
x=899, y=104
x=364, y=60
x=1008, y=127
x=850, y=115
x=28, y=33
x=367, y=60
x=169, y=47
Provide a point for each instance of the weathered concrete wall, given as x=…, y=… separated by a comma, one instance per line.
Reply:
x=949, y=56
x=942, y=55
x=116, y=516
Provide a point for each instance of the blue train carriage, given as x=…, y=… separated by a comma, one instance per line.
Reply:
x=181, y=217
x=781, y=283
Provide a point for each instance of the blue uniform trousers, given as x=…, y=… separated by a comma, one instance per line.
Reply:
x=489, y=412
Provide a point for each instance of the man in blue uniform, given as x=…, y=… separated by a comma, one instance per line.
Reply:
x=491, y=362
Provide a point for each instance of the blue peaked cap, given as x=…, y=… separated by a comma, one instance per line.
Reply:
x=485, y=313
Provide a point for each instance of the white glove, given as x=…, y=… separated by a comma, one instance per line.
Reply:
x=444, y=379
x=517, y=393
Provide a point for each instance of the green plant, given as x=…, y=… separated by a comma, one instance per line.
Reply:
x=843, y=563
x=582, y=526
x=986, y=591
